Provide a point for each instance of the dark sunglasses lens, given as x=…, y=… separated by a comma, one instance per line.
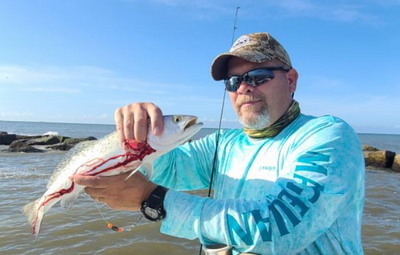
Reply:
x=232, y=84
x=259, y=76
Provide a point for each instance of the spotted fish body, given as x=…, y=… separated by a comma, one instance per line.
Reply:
x=105, y=157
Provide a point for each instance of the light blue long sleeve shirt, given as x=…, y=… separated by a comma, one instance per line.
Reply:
x=301, y=192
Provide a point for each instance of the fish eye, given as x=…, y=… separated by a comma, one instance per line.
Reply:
x=176, y=119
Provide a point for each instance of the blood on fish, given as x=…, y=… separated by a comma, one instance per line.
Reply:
x=129, y=157
x=52, y=196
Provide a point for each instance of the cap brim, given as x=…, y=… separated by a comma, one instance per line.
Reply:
x=219, y=67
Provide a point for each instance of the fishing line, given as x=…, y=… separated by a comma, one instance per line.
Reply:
x=111, y=226
x=220, y=124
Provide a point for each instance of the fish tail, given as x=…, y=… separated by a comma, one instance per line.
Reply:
x=34, y=214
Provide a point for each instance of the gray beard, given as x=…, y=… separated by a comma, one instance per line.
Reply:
x=256, y=121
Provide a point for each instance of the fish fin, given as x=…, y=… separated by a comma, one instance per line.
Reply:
x=147, y=169
x=76, y=150
x=30, y=210
x=133, y=171
x=68, y=200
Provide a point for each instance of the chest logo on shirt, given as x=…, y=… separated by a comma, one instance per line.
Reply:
x=267, y=168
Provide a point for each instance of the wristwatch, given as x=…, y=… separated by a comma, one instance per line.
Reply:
x=153, y=208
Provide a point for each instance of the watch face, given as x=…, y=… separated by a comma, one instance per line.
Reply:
x=151, y=213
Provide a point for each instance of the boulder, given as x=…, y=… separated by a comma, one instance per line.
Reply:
x=7, y=139
x=366, y=147
x=381, y=159
x=21, y=146
x=19, y=137
x=396, y=163
x=60, y=146
x=69, y=143
x=74, y=141
x=47, y=140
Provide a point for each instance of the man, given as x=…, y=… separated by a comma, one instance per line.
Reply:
x=286, y=183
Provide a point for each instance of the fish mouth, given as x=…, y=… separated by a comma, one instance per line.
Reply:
x=191, y=123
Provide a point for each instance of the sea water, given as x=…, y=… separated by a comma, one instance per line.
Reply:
x=82, y=230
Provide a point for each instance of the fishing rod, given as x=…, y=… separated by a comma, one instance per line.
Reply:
x=219, y=131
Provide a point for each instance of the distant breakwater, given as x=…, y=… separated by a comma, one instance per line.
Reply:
x=383, y=159
x=39, y=143
x=374, y=157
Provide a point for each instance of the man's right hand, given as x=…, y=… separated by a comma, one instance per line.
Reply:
x=132, y=122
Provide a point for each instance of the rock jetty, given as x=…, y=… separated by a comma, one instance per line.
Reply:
x=377, y=158
x=41, y=143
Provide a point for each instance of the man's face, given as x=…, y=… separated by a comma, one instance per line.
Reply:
x=259, y=107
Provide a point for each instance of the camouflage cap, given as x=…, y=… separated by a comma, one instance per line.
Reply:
x=256, y=47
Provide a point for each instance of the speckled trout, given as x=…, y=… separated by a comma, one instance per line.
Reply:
x=105, y=157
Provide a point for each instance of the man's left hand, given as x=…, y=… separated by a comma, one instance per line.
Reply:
x=116, y=191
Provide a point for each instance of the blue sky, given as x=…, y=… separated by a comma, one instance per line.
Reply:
x=78, y=60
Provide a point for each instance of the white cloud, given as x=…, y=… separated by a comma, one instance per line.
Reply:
x=23, y=75
x=54, y=90
x=324, y=82
x=95, y=117
x=335, y=11
x=297, y=5
x=339, y=11
x=15, y=115
x=360, y=109
x=73, y=80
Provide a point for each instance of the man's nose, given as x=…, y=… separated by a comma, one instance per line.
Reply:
x=245, y=88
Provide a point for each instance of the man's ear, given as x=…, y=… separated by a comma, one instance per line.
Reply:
x=292, y=78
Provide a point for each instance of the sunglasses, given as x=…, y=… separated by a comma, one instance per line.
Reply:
x=253, y=78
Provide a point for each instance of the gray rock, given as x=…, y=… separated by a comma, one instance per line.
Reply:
x=74, y=141
x=47, y=140
x=381, y=159
x=21, y=146
x=27, y=137
x=396, y=163
x=60, y=146
x=366, y=147
x=69, y=143
x=7, y=139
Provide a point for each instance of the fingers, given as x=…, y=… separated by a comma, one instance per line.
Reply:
x=91, y=181
x=97, y=193
x=157, y=121
x=132, y=122
x=119, y=122
x=140, y=124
